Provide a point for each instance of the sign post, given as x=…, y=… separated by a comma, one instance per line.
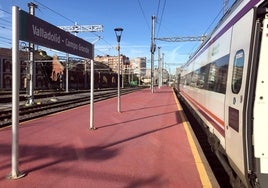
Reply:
x=29, y=28
x=91, y=127
x=15, y=173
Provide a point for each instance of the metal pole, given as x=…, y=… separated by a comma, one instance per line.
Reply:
x=31, y=73
x=161, y=70
x=123, y=73
x=159, y=67
x=118, y=32
x=152, y=54
x=67, y=73
x=118, y=80
x=92, y=95
x=85, y=77
x=15, y=174
x=129, y=71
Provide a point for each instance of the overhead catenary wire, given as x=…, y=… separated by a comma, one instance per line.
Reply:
x=161, y=17
x=214, y=20
x=5, y=40
x=211, y=24
x=5, y=24
x=1, y=37
x=6, y=21
x=158, y=7
x=144, y=16
x=195, y=47
x=5, y=11
x=4, y=27
x=55, y=12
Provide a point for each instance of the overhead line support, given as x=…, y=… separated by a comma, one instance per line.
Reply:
x=182, y=39
x=82, y=28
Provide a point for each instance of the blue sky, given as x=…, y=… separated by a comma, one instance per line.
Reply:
x=174, y=18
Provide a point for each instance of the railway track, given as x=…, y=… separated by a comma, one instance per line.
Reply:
x=215, y=165
x=5, y=96
x=46, y=106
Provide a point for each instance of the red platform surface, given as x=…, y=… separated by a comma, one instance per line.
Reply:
x=143, y=146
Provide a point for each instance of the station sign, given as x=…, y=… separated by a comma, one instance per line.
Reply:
x=37, y=31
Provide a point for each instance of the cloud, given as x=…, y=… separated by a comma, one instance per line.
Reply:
x=133, y=51
x=175, y=55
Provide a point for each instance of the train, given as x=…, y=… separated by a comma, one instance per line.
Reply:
x=225, y=85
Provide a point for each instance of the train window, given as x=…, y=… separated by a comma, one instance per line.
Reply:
x=212, y=76
x=219, y=69
x=194, y=78
x=203, y=77
x=216, y=75
x=188, y=79
x=238, y=71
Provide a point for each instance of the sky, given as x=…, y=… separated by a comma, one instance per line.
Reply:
x=174, y=18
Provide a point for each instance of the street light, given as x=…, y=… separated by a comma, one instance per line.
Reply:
x=118, y=32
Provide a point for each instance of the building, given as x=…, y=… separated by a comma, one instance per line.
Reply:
x=78, y=72
x=6, y=70
x=138, y=66
x=112, y=62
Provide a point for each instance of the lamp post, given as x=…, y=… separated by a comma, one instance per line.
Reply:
x=152, y=53
x=118, y=32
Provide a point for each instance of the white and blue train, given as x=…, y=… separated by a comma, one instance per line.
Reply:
x=225, y=84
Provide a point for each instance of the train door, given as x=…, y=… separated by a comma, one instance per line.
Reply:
x=260, y=128
x=235, y=91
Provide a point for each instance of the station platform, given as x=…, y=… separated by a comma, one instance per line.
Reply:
x=148, y=144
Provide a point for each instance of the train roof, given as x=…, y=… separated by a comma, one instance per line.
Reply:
x=234, y=13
